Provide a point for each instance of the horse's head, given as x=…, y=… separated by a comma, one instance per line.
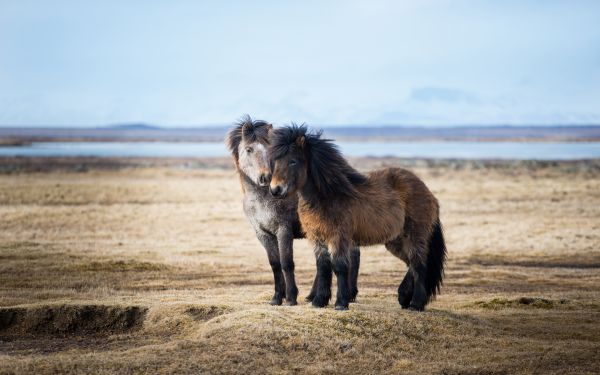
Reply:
x=299, y=157
x=289, y=164
x=248, y=143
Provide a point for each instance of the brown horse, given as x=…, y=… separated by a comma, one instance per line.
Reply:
x=340, y=207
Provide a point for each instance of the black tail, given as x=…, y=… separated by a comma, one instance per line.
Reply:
x=435, y=262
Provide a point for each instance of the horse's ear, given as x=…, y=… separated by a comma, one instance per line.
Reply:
x=300, y=142
x=247, y=129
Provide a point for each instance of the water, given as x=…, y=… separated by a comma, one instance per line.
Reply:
x=460, y=150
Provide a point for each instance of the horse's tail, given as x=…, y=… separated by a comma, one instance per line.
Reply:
x=435, y=261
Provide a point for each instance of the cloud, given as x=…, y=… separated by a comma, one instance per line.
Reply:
x=193, y=63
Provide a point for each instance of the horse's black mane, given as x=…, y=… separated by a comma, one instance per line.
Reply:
x=252, y=130
x=329, y=172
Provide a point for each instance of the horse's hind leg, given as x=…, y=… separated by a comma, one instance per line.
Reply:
x=405, y=290
x=353, y=273
x=269, y=242
x=417, y=254
x=398, y=247
x=419, y=297
x=313, y=289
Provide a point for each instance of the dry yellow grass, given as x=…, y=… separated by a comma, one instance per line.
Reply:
x=156, y=270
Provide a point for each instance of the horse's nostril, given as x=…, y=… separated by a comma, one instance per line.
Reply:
x=264, y=179
x=275, y=191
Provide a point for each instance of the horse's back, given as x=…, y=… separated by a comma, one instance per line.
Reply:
x=419, y=202
x=378, y=216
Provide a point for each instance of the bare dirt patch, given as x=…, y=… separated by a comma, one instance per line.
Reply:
x=71, y=319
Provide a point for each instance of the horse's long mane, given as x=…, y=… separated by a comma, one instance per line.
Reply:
x=252, y=130
x=328, y=171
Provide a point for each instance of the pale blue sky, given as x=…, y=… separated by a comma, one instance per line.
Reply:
x=184, y=63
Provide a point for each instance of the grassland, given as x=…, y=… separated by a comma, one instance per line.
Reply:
x=152, y=268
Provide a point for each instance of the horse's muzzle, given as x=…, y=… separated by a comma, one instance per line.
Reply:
x=264, y=179
x=277, y=191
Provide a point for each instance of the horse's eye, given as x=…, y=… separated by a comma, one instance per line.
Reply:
x=248, y=149
x=293, y=162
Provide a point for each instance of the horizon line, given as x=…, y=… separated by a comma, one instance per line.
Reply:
x=151, y=126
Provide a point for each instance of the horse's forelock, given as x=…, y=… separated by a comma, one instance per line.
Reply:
x=286, y=139
x=249, y=130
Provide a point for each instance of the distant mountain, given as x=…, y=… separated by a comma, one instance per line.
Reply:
x=134, y=126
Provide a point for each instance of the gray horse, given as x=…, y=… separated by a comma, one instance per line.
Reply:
x=276, y=221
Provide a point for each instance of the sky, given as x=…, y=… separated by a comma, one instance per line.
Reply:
x=190, y=63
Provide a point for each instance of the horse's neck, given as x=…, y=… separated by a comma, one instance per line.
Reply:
x=332, y=181
x=311, y=199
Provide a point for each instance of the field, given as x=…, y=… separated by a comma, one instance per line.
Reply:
x=151, y=267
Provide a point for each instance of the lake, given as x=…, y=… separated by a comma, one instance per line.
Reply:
x=433, y=149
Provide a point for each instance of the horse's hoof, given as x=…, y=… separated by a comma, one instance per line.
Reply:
x=276, y=302
x=341, y=308
x=404, y=303
x=320, y=301
x=416, y=308
x=404, y=299
x=291, y=303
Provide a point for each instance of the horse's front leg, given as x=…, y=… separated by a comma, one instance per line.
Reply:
x=285, y=240
x=354, y=266
x=340, y=260
x=321, y=293
x=269, y=242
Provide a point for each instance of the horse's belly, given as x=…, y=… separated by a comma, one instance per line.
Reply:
x=379, y=228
